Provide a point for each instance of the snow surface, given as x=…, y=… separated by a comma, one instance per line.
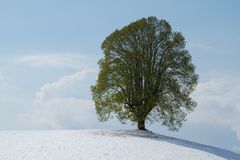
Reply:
x=103, y=145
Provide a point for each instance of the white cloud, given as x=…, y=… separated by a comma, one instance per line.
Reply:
x=69, y=60
x=218, y=102
x=63, y=104
x=56, y=106
x=65, y=82
x=63, y=113
x=66, y=113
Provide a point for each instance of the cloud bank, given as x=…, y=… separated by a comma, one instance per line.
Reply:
x=66, y=104
x=218, y=102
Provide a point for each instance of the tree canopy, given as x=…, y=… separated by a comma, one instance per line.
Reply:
x=146, y=74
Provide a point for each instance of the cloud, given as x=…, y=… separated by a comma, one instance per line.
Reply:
x=58, y=105
x=63, y=113
x=66, y=113
x=68, y=60
x=218, y=102
x=63, y=104
x=66, y=104
x=65, y=83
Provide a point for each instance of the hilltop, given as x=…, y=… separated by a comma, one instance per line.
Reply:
x=102, y=145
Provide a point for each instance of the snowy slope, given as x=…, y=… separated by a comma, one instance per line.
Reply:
x=103, y=145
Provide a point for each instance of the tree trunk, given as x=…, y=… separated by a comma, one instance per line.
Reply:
x=141, y=125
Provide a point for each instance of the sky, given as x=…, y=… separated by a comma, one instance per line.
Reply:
x=49, y=51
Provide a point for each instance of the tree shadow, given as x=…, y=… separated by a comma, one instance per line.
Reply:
x=229, y=155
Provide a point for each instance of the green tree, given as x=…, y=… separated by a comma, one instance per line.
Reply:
x=146, y=75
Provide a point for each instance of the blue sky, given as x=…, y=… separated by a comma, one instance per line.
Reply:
x=49, y=50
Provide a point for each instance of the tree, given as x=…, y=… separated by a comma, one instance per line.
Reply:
x=146, y=75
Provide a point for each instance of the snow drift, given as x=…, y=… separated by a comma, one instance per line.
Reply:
x=102, y=145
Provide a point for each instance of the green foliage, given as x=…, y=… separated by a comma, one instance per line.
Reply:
x=146, y=75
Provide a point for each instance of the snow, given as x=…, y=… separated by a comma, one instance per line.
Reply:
x=103, y=145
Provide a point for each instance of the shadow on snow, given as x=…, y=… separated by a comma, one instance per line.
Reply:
x=229, y=155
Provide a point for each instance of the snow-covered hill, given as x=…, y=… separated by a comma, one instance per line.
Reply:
x=103, y=145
